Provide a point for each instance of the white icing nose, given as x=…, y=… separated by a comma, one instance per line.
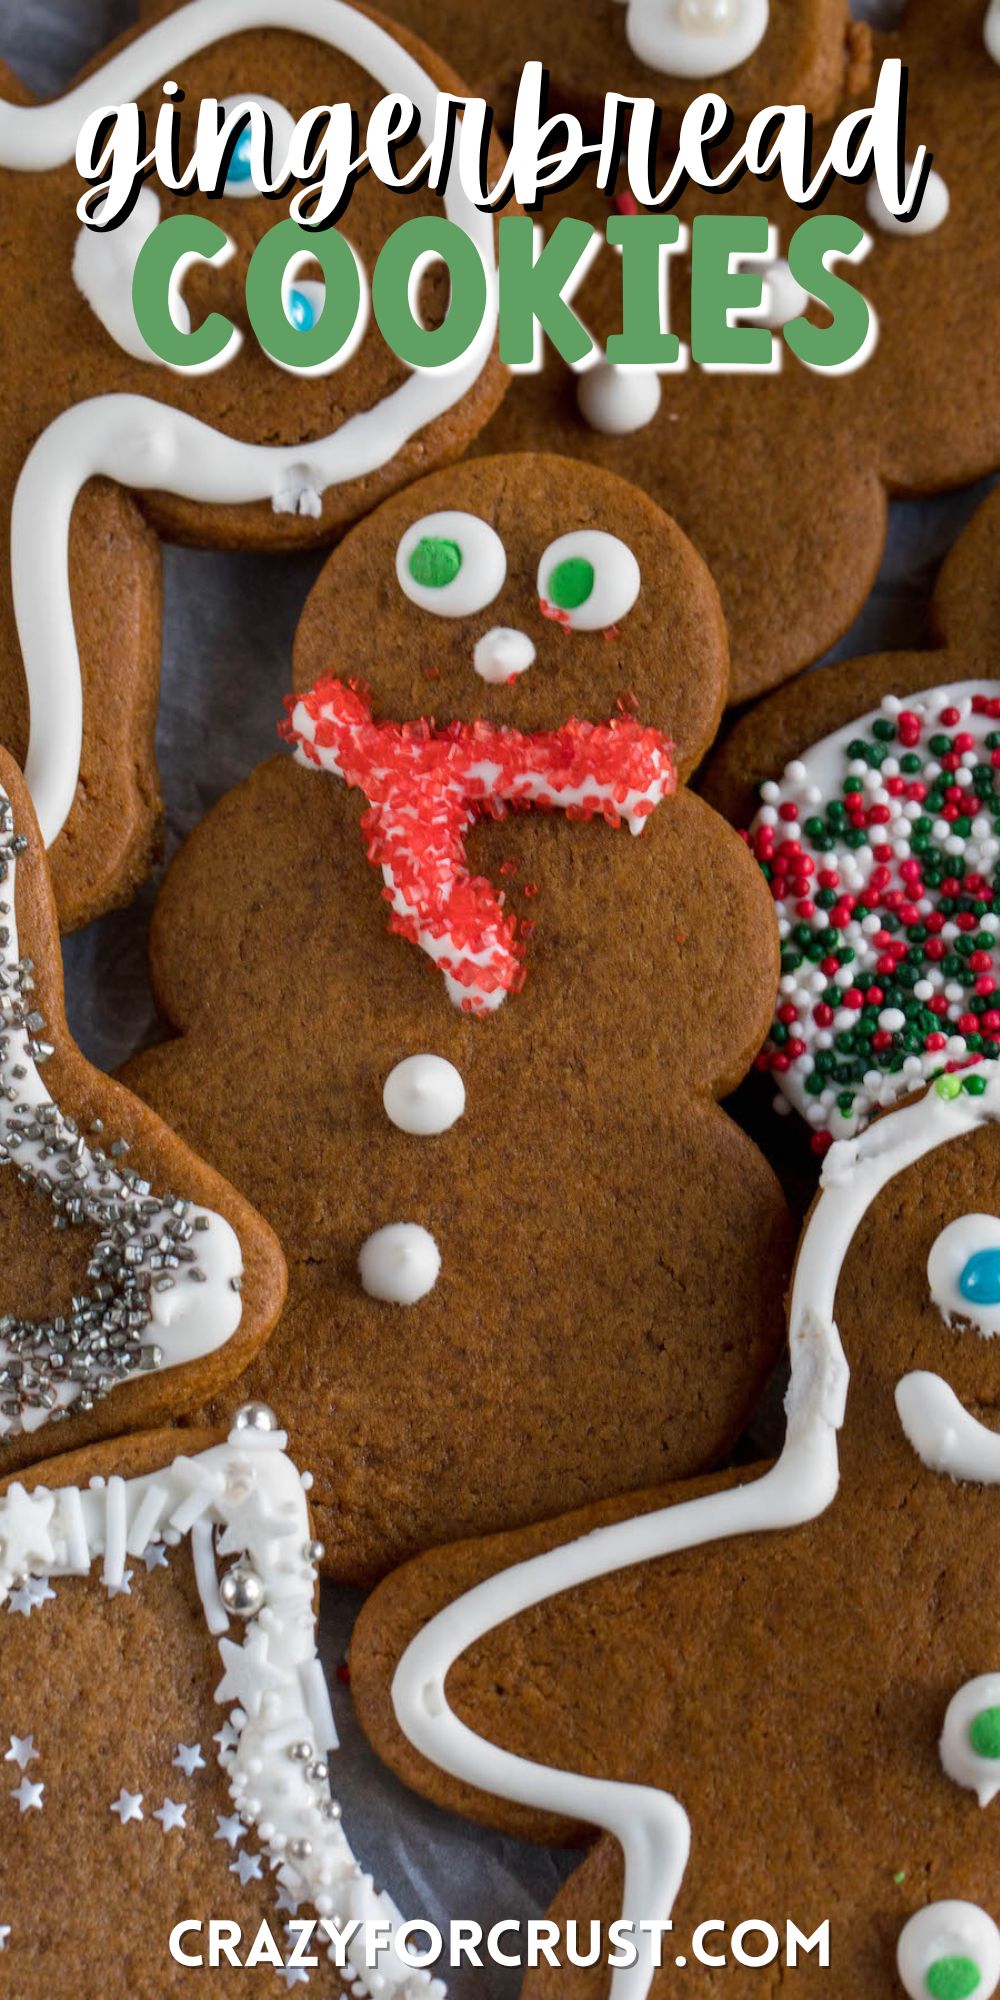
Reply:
x=503, y=653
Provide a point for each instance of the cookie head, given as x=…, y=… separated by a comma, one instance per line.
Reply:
x=523, y=590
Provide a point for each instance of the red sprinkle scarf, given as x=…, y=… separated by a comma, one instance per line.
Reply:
x=426, y=786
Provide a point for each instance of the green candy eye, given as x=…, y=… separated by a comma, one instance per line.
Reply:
x=435, y=562
x=984, y=1733
x=953, y=1978
x=571, y=583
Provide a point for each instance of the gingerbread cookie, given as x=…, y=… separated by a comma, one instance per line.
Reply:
x=880, y=842
x=251, y=454
x=781, y=480
x=465, y=1054
x=136, y=1281
x=776, y=1691
x=794, y=52
x=166, y=1734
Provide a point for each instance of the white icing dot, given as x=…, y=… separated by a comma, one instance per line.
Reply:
x=502, y=653
x=399, y=1263
x=424, y=1095
x=959, y=1756
x=618, y=401
x=948, y=1930
x=784, y=298
x=932, y=212
x=695, y=38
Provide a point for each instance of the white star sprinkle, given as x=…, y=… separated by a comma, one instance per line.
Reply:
x=286, y=1901
x=293, y=1975
x=22, y=1750
x=25, y=1523
x=227, y=1738
x=4, y=1935
x=22, y=1601
x=33, y=1592
x=231, y=1829
x=249, y=1673
x=122, y=1589
x=155, y=1556
x=170, y=1814
x=28, y=1796
x=128, y=1805
x=189, y=1759
x=247, y=1867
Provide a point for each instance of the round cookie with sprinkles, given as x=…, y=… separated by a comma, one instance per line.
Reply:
x=134, y=1281
x=456, y=989
x=881, y=846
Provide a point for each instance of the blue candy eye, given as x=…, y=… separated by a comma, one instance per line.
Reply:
x=980, y=1278
x=240, y=166
x=301, y=311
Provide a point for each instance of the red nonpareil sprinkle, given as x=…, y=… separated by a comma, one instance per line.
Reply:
x=426, y=786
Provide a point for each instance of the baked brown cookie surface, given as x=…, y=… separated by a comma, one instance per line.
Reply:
x=165, y=1728
x=776, y=1689
x=135, y=1282
x=797, y=52
x=104, y=847
x=781, y=480
x=590, y=1204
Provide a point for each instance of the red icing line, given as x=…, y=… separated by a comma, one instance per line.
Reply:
x=426, y=786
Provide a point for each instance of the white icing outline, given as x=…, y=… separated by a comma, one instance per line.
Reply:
x=187, y=1321
x=250, y=1497
x=651, y=1826
x=145, y=445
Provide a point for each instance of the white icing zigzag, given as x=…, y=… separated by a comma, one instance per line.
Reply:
x=243, y=1499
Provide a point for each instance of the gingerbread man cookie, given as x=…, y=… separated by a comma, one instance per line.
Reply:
x=250, y=454
x=136, y=1282
x=781, y=480
x=775, y=1691
x=878, y=828
x=465, y=1051
x=792, y=52
x=167, y=1745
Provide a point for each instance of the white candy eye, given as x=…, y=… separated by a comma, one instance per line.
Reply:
x=588, y=581
x=239, y=179
x=451, y=563
x=949, y=1951
x=963, y=1271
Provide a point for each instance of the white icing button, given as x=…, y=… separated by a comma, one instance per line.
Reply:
x=970, y=1739
x=693, y=38
x=957, y=1257
x=784, y=298
x=618, y=401
x=949, y=1930
x=400, y=1263
x=932, y=211
x=503, y=653
x=424, y=1095
x=991, y=30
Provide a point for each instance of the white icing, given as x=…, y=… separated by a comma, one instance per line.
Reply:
x=103, y=269
x=482, y=572
x=399, y=1263
x=652, y=1827
x=249, y=1493
x=282, y=126
x=616, y=585
x=424, y=1095
x=960, y=1760
x=193, y=1317
x=932, y=212
x=783, y=298
x=617, y=401
x=948, y=1930
x=991, y=30
x=949, y=1254
x=695, y=38
x=943, y=1433
x=145, y=444
x=502, y=654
